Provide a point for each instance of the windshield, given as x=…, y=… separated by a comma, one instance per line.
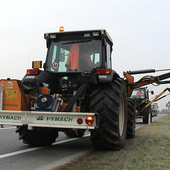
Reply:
x=138, y=93
x=72, y=56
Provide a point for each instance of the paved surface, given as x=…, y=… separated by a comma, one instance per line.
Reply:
x=15, y=155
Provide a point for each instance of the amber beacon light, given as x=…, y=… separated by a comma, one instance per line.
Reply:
x=61, y=29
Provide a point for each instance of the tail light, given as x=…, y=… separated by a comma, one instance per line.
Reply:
x=33, y=71
x=103, y=71
x=89, y=120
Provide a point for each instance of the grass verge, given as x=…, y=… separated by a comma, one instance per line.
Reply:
x=150, y=150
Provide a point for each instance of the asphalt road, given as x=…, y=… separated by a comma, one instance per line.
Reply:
x=16, y=155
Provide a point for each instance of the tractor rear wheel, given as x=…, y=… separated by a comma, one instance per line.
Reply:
x=131, y=119
x=38, y=136
x=110, y=102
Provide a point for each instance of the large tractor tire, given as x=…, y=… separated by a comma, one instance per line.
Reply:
x=110, y=102
x=37, y=137
x=131, y=118
x=73, y=133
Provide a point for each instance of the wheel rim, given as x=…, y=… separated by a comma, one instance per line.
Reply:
x=121, y=116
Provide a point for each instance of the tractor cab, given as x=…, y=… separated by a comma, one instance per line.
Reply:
x=79, y=51
x=75, y=60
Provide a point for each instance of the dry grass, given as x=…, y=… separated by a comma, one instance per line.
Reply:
x=149, y=150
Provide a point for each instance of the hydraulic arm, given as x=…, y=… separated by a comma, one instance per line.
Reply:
x=157, y=97
x=146, y=80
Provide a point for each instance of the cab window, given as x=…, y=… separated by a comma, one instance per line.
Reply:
x=74, y=56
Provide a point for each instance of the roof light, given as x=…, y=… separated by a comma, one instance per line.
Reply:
x=103, y=71
x=95, y=34
x=61, y=29
x=52, y=36
x=89, y=120
x=86, y=34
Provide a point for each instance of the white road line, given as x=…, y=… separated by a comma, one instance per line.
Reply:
x=36, y=148
x=18, y=152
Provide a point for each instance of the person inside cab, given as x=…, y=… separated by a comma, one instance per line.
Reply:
x=85, y=60
x=80, y=58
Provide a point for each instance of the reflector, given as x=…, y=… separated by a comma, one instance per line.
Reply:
x=79, y=121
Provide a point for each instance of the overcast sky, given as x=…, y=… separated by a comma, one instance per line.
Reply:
x=140, y=30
